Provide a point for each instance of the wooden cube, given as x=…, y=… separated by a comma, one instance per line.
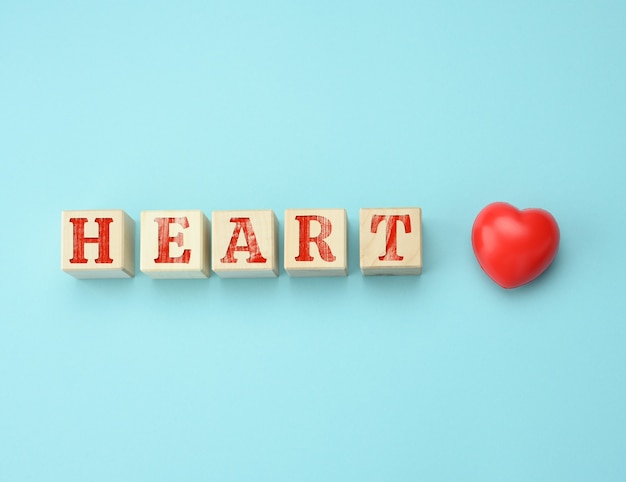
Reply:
x=316, y=242
x=98, y=244
x=244, y=244
x=391, y=241
x=174, y=244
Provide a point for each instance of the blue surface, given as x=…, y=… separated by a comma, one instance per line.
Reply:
x=443, y=377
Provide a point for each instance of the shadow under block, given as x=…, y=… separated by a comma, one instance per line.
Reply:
x=391, y=241
x=316, y=242
x=98, y=244
x=174, y=244
x=244, y=244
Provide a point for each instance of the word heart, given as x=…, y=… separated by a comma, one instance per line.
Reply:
x=239, y=244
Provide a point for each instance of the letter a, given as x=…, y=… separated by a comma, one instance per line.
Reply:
x=245, y=231
x=252, y=246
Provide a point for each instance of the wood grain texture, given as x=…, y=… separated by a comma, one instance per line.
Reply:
x=244, y=244
x=174, y=244
x=390, y=241
x=98, y=244
x=316, y=242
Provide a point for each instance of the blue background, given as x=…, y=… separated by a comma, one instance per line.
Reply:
x=274, y=105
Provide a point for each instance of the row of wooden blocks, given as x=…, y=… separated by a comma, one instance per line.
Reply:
x=240, y=244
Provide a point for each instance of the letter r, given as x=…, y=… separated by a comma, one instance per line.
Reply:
x=305, y=239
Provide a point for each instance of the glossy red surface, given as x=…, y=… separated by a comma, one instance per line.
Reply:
x=514, y=246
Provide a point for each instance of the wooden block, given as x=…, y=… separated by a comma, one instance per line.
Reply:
x=174, y=244
x=391, y=241
x=316, y=242
x=244, y=244
x=98, y=244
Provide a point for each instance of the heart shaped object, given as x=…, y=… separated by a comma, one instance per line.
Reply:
x=514, y=246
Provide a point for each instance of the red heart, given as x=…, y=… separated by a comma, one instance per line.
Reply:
x=514, y=247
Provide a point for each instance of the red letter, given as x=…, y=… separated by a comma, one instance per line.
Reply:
x=243, y=224
x=102, y=240
x=306, y=239
x=165, y=239
x=391, y=249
